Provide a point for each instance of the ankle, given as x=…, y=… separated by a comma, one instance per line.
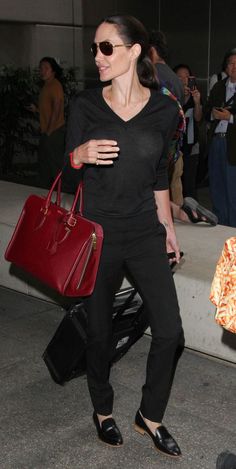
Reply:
x=101, y=418
x=150, y=424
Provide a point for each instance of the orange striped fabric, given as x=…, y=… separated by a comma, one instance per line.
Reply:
x=223, y=288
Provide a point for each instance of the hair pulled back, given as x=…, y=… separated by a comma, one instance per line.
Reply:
x=132, y=31
x=157, y=40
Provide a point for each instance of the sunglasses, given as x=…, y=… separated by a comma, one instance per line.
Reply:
x=106, y=47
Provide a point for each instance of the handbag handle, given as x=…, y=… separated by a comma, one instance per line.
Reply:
x=57, y=183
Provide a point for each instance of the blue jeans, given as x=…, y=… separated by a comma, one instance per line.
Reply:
x=222, y=181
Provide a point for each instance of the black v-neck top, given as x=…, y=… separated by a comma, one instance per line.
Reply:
x=127, y=187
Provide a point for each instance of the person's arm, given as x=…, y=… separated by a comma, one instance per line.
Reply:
x=222, y=114
x=161, y=188
x=165, y=217
x=214, y=109
x=197, y=110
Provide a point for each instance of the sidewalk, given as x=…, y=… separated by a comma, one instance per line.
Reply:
x=46, y=426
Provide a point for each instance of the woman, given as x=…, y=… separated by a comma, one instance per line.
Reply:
x=119, y=134
x=193, y=113
x=51, y=115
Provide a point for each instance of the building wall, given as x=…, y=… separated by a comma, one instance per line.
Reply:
x=198, y=33
x=43, y=11
x=30, y=30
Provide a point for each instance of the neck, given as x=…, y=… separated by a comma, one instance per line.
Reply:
x=126, y=97
x=48, y=80
x=125, y=92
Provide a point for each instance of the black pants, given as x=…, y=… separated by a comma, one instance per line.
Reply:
x=50, y=156
x=138, y=245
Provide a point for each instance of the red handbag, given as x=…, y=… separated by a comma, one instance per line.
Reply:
x=59, y=247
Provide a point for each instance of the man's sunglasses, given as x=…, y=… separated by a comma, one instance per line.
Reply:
x=106, y=47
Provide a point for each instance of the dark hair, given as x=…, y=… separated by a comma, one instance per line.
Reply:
x=227, y=56
x=55, y=66
x=132, y=31
x=157, y=40
x=179, y=66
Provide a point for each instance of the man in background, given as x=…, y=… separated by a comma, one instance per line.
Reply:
x=188, y=209
x=159, y=57
x=220, y=112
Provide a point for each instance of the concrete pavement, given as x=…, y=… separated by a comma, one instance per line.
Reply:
x=46, y=426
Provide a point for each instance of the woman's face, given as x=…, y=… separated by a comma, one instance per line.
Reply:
x=119, y=62
x=46, y=72
x=184, y=75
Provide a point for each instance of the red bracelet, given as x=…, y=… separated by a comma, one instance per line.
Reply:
x=75, y=166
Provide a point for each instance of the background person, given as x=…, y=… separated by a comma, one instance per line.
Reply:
x=193, y=114
x=52, y=123
x=186, y=210
x=159, y=57
x=119, y=133
x=158, y=53
x=220, y=112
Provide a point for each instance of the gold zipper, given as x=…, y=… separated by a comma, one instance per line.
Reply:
x=92, y=246
x=94, y=238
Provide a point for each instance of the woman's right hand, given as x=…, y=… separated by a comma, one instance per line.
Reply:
x=99, y=152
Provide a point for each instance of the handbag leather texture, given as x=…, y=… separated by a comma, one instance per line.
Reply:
x=59, y=247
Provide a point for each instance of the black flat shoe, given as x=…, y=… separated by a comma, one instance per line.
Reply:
x=203, y=215
x=108, y=432
x=163, y=441
x=226, y=460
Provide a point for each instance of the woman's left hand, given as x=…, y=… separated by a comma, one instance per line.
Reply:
x=162, y=199
x=172, y=245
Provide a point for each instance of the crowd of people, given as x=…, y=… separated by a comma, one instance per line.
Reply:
x=218, y=114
